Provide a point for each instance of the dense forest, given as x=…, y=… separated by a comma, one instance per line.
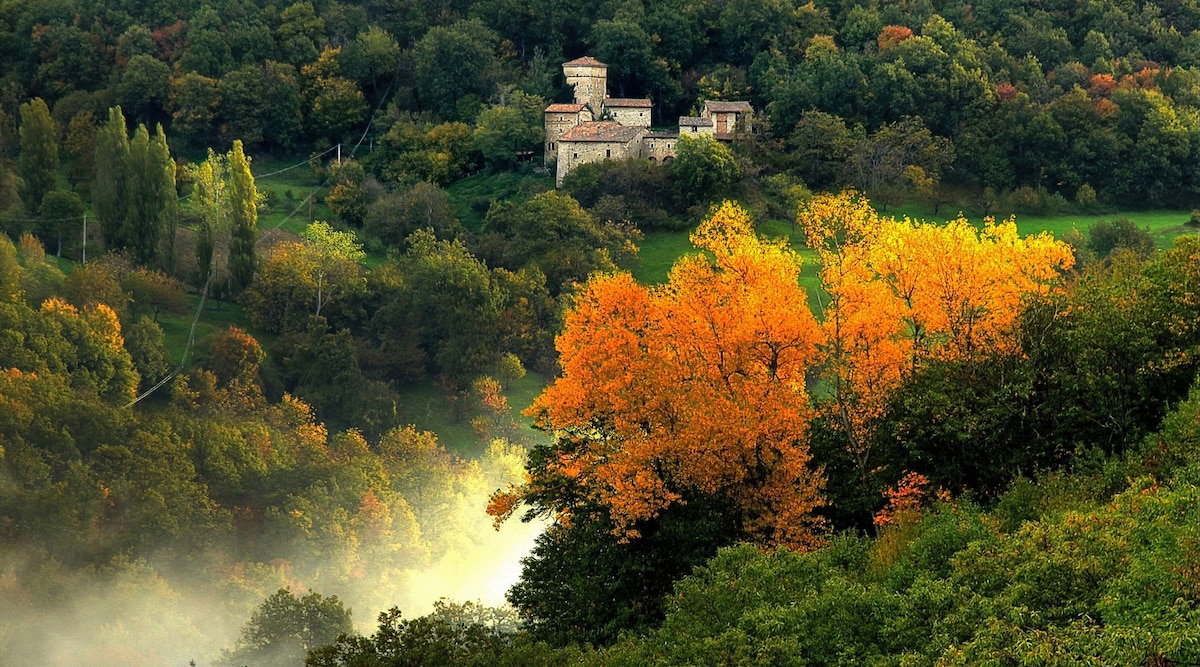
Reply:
x=876, y=441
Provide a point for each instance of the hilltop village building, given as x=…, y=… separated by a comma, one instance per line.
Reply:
x=597, y=127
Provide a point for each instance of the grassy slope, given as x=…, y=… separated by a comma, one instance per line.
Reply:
x=423, y=404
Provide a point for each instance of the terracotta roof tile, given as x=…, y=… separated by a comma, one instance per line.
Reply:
x=602, y=131
x=623, y=102
x=586, y=61
x=565, y=107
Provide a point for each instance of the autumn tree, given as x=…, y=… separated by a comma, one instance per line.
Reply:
x=904, y=292
x=38, y=164
x=300, y=279
x=695, y=386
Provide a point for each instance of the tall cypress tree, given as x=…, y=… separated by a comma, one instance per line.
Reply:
x=163, y=171
x=243, y=219
x=108, y=190
x=38, y=164
x=141, y=230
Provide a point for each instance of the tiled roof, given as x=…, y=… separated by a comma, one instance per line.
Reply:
x=565, y=107
x=586, y=61
x=622, y=102
x=718, y=105
x=602, y=131
x=689, y=121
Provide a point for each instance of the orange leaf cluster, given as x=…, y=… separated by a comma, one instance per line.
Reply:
x=904, y=499
x=696, y=385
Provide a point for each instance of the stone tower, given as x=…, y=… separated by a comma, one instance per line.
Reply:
x=589, y=78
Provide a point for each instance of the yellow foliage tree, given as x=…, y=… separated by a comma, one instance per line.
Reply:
x=904, y=291
x=695, y=386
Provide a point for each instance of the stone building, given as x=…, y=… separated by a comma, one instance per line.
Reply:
x=695, y=125
x=559, y=119
x=589, y=78
x=729, y=118
x=596, y=141
x=597, y=127
x=628, y=112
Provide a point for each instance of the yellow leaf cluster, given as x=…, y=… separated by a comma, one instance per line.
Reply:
x=905, y=291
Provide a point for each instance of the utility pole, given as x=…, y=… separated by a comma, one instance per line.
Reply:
x=339, y=154
x=84, y=238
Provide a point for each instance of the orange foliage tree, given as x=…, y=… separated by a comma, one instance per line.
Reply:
x=904, y=291
x=694, y=386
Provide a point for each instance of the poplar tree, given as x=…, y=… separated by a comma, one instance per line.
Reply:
x=108, y=190
x=38, y=164
x=243, y=219
x=141, y=231
x=209, y=201
x=162, y=170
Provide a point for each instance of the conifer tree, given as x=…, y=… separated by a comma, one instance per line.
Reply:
x=112, y=158
x=38, y=164
x=243, y=219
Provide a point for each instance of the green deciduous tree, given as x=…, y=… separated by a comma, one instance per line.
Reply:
x=453, y=62
x=143, y=86
x=208, y=201
x=503, y=131
x=285, y=627
x=62, y=219
x=142, y=201
x=552, y=232
x=704, y=169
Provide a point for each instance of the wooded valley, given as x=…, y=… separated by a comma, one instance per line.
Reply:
x=295, y=329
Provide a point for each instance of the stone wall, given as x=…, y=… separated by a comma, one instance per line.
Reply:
x=631, y=116
x=659, y=148
x=557, y=124
x=573, y=154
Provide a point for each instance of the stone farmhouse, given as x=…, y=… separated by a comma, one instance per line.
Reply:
x=597, y=127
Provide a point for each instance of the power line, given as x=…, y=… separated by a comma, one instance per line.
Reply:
x=40, y=219
x=298, y=164
x=191, y=341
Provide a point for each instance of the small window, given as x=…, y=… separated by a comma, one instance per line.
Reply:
x=574, y=155
x=607, y=152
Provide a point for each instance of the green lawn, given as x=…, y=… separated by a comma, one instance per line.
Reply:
x=296, y=194
x=472, y=196
x=217, y=316
x=1164, y=225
